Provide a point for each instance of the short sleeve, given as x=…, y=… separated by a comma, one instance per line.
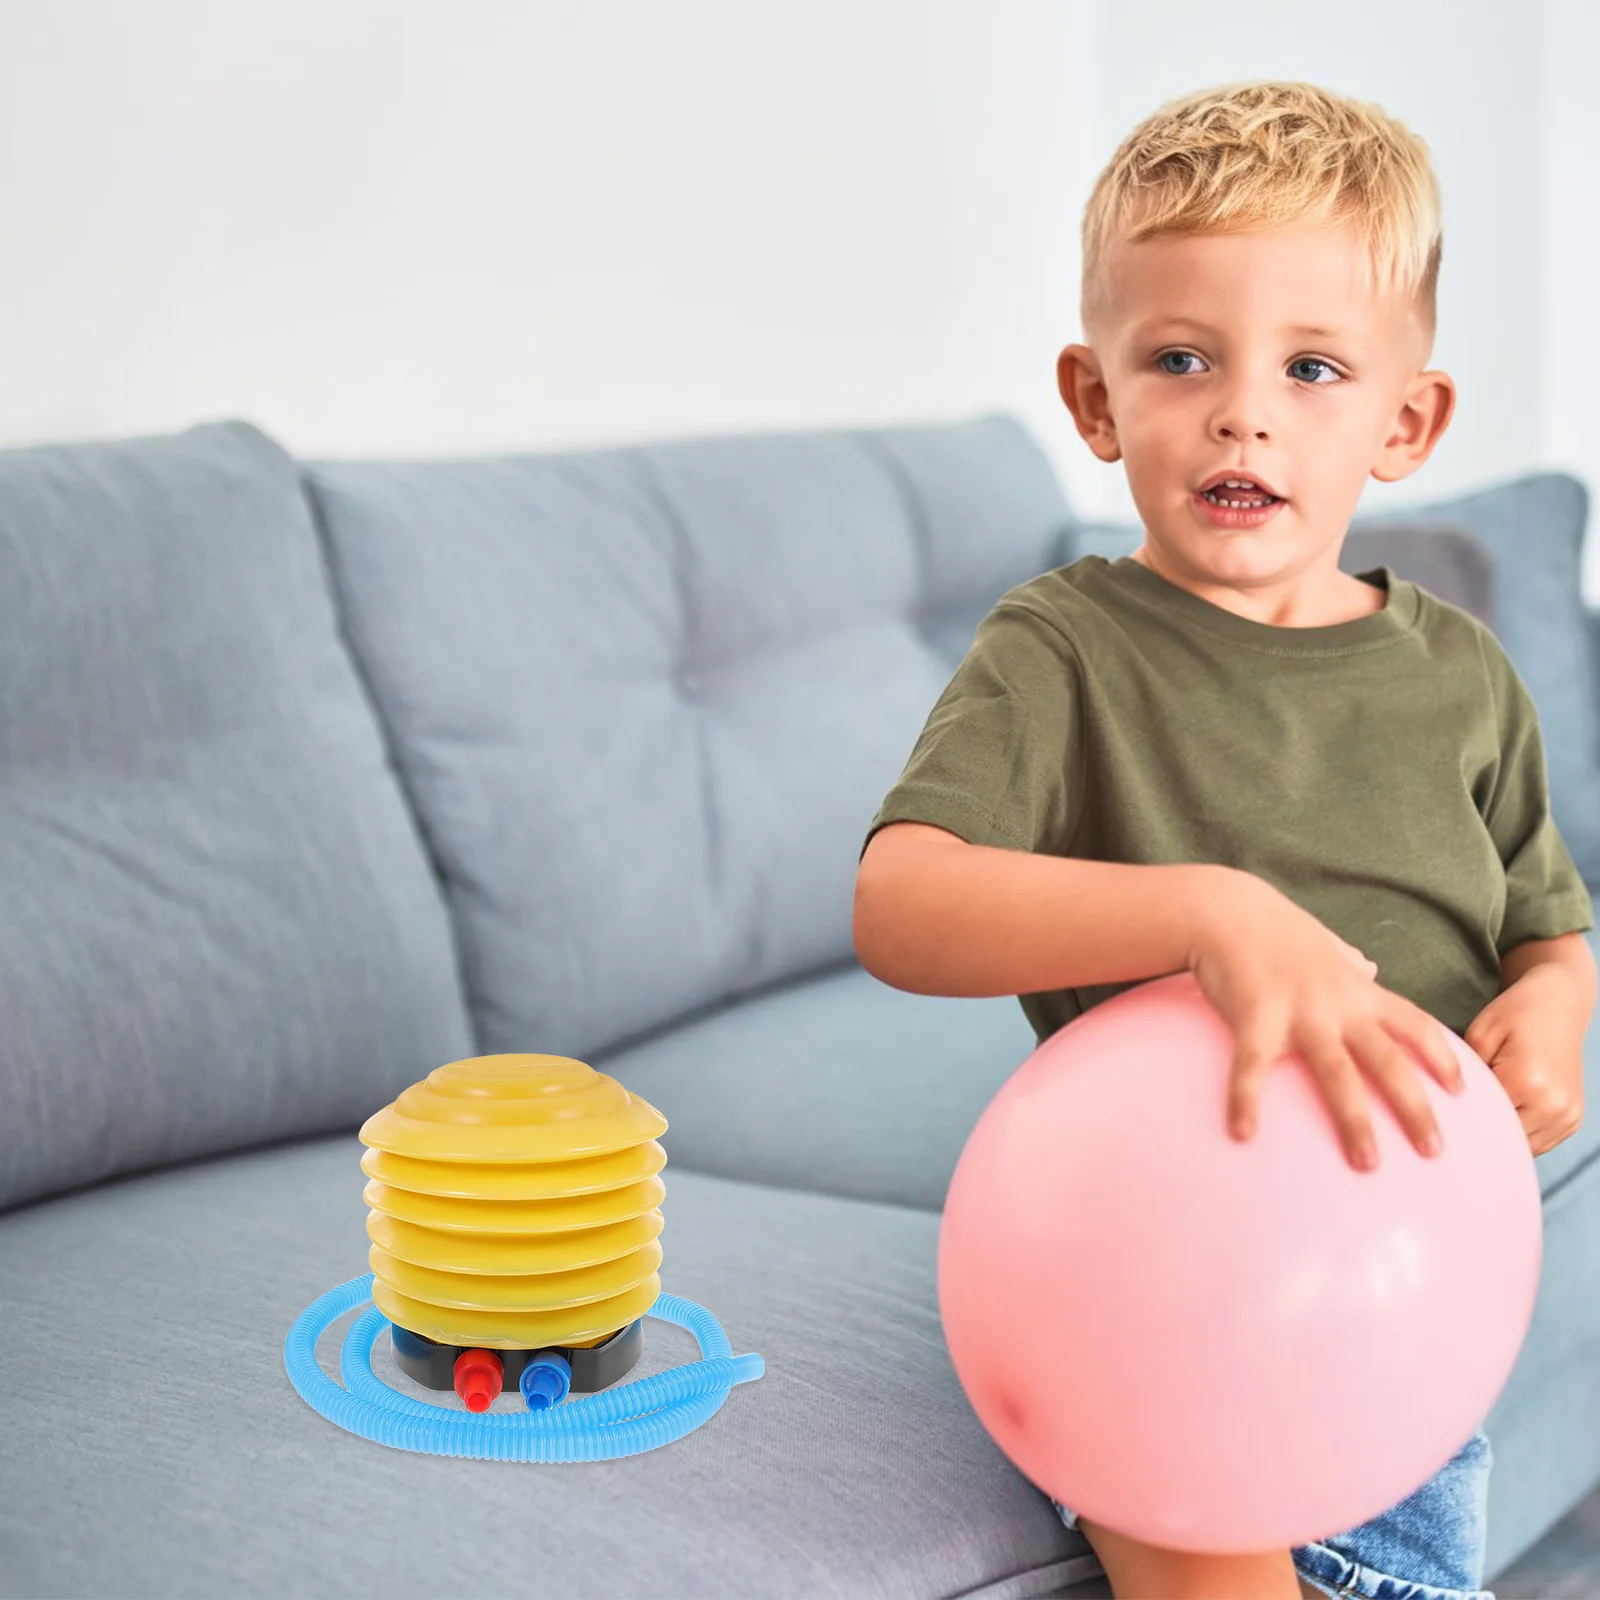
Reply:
x=999, y=760
x=1545, y=894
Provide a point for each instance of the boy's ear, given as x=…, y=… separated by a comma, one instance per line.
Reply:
x=1083, y=387
x=1426, y=408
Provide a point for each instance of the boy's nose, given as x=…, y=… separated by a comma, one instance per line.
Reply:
x=1240, y=430
x=1242, y=413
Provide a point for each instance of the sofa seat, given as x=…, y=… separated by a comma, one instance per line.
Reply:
x=167, y=1453
x=155, y=1445
x=832, y=1082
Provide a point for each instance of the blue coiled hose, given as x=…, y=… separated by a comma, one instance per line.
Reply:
x=621, y=1421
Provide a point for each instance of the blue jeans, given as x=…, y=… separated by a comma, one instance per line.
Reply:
x=1429, y=1546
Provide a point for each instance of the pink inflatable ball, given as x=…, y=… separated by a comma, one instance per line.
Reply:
x=1218, y=1345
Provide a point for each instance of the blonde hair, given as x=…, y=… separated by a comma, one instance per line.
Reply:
x=1264, y=153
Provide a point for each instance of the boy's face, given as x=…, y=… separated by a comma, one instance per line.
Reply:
x=1200, y=363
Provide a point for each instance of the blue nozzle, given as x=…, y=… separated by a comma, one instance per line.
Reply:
x=546, y=1379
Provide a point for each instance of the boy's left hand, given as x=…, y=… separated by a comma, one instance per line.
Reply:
x=1531, y=1035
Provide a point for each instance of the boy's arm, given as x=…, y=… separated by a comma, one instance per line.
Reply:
x=937, y=915
x=1547, y=905
x=1570, y=953
x=1532, y=1033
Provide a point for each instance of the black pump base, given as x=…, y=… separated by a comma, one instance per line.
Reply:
x=596, y=1367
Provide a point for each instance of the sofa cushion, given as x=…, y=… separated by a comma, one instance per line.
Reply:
x=1447, y=561
x=646, y=699
x=832, y=1081
x=1533, y=529
x=219, y=926
x=155, y=1446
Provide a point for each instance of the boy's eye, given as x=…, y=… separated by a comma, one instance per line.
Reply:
x=1189, y=355
x=1312, y=361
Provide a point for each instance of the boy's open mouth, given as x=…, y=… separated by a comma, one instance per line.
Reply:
x=1243, y=494
x=1236, y=502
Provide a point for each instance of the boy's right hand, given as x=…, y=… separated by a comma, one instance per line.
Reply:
x=1285, y=982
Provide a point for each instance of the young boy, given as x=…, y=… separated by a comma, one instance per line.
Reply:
x=1323, y=794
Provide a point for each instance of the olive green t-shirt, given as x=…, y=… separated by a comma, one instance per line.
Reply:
x=1386, y=773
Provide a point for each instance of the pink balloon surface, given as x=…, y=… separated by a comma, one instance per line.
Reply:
x=1220, y=1346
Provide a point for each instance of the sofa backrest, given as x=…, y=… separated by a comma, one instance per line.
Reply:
x=217, y=923
x=645, y=700
x=577, y=745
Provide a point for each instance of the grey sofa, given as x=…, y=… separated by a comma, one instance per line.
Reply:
x=316, y=775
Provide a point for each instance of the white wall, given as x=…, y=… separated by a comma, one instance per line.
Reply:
x=407, y=227
x=1568, y=175
x=391, y=225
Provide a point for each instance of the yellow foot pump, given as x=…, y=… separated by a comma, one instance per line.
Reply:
x=514, y=1218
x=515, y=1214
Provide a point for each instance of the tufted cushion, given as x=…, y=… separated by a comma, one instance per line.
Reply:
x=219, y=927
x=686, y=672
x=1448, y=562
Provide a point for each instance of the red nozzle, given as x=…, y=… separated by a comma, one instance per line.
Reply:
x=479, y=1378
